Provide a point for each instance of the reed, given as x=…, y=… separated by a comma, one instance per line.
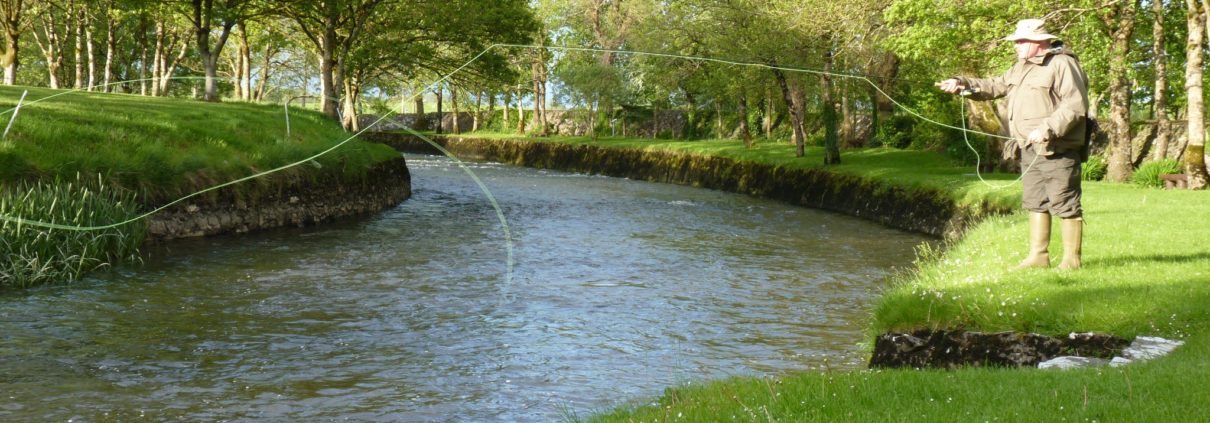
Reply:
x=36, y=256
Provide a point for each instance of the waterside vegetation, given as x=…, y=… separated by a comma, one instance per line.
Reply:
x=86, y=159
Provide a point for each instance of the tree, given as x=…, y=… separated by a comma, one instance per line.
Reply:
x=334, y=27
x=1158, y=54
x=1195, y=161
x=206, y=18
x=1119, y=19
x=11, y=24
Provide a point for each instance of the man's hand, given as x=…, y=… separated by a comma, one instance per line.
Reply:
x=1037, y=136
x=952, y=86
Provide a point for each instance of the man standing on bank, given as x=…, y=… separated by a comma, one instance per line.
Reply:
x=1047, y=95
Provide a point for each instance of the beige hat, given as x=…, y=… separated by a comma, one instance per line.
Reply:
x=1030, y=29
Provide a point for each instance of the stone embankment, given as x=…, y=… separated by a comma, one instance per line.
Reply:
x=291, y=200
x=913, y=209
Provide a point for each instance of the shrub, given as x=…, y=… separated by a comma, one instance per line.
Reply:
x=1148, y=175
x=1094, y=169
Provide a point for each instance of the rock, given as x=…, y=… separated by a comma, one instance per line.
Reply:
x=1148, y=347
x=954, y=348
x=191, y=209
x=1119, y=361
x=1072, y=362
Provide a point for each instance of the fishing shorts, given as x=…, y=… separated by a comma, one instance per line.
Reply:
x=1051, y=184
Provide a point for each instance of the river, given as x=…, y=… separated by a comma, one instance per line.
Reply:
x=620, y=289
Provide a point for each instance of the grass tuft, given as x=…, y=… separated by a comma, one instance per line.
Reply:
x=36, y=255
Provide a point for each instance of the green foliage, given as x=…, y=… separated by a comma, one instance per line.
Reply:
x=35, y=256
x=895, y=132
x=1148, y=175
x=1094, y=169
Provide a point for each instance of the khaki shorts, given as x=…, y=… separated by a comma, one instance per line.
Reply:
x=1052, y=183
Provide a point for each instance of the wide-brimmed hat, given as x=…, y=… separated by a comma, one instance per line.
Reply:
x=1030, y=29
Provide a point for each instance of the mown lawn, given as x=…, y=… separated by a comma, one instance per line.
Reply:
x=1147, y=272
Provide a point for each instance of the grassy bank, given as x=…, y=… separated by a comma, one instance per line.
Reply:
x=907, y=168
x=1147, y=268
x=84, y=159
x=163, y=148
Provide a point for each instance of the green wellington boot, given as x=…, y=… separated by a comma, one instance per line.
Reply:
x=1039, y=242
x=1073, y=239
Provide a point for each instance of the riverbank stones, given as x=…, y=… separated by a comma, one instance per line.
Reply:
x=958, y=348
x=1143, y=348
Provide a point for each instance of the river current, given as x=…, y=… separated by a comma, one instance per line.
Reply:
x=620, y=288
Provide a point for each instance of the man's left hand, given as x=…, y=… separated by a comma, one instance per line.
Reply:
x=1037, y=136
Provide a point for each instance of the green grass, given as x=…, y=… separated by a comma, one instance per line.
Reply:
x=1146, y=272
x=907, y=168
x=163, y=148
x=136, y=153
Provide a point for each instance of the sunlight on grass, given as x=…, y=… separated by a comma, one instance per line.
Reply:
x=163, y=148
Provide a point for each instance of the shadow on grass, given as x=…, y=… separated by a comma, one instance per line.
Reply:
x=1160, y=258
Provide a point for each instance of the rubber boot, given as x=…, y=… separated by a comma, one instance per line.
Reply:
x=1039, y=242
x=1073, y=239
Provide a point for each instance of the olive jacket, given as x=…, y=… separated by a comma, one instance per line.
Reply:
x=1048, y=91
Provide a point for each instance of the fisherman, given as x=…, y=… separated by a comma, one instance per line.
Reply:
x=1047, y=95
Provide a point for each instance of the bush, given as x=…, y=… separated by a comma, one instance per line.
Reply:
x=1094, y=169
x=35, y=255
x=1148, y=175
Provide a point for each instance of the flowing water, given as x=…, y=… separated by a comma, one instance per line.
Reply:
x=621, y=288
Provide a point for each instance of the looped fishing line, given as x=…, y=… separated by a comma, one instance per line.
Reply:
x=499, y=212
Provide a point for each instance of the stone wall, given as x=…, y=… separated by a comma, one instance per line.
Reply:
x=293, y=201
x=913, y=209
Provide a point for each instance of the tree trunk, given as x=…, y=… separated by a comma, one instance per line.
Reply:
x=440, y=116
x=508, y=103
x=689, y=130
x=769, y=110
x=454, y=102
x=1159, y=54
x=169, y=67
x=202, y=14
x=792, y=94
x=520, y=115
x=744, y=133
x=88, y=42
x=327, y=66
x=352, y=90
x=1195, y=159
x=265, y=71
x=158, y=62
x=491, y=110
x=539, y=76
x=12, y=34
x=421, y=123
x=1120, y=163
x=831, y=139
x=50, y=47
x=77, y=15
x=111, y=45
x=655, y=118
x=718, y=120
x=245, y=54
x=478, y=111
